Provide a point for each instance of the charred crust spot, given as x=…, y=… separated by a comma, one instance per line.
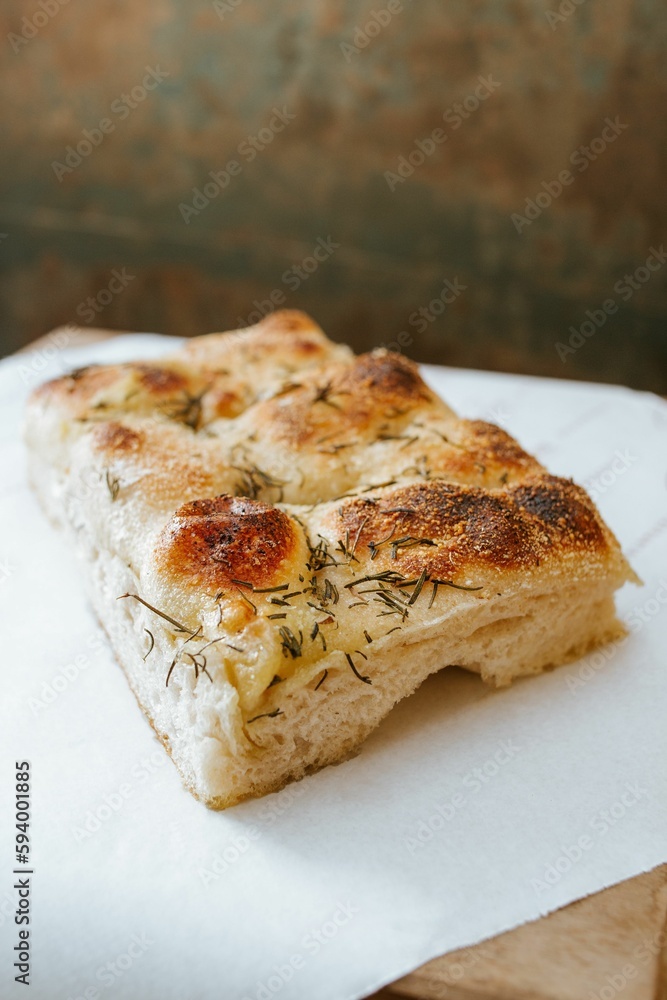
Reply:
x=115, y=438
x=503, y=529
x=210, y=543
x=160, y=380
x=466, y=523
x=563, y=508
x=384, y=375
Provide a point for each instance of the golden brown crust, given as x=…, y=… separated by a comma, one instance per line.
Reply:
x=99, y=392
x=345, y=401
x=214, y=377
x=81, y=383
x=222, y=401
x=465, y=485
x=493, y=451
x=160, y=380
x=565, y=510
x=224, y=543
x=477, y=453
x=288, y=339
x=300, y=537
x=115, y=438
x=224, y=461
x=445, y=529
x=384, y=378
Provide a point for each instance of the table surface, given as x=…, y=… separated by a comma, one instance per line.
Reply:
x=608, y=945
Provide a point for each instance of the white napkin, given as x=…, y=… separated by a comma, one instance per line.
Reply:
x=467, y=813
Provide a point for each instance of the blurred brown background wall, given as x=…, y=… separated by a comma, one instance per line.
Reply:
x=513, y=148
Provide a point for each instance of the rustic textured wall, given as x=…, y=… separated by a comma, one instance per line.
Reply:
x=552, y=72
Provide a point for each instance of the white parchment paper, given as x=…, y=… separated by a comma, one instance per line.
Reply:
x=467, y=813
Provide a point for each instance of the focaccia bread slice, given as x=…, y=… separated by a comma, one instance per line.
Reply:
x=282, y=540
